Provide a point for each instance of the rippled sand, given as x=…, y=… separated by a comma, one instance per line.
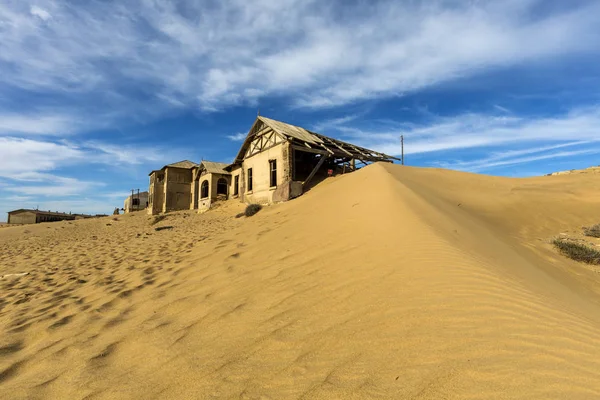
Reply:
x=388, y=283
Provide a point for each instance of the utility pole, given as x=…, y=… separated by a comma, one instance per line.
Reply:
x=402, y=146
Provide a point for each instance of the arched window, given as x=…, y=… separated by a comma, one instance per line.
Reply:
x=204, y=190
x=222, y=186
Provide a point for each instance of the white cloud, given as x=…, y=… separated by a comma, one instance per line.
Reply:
x=237, y=137
x=19, y=156
x=54, y=186
x=496, y=140
x=479, y=130
x=215, y=54
x=37, y=124
x=40, y=13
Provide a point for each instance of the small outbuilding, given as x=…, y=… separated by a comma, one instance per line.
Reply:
x=136, y=202
x=211, y=183
x=29, y=216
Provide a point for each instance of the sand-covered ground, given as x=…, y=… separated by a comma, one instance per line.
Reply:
x=388, y=283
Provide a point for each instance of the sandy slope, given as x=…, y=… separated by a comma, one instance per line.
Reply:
x=391, y=282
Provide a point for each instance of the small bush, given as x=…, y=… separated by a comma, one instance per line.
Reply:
x=157, y=219
x=577, y=252
x=593, y=231
x=252, y=209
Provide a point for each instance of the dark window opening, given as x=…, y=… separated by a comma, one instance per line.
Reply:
x=236, y=185
x=222, y=186
x=249, y=179
x=273, y=169
x=204, y=190
x=135, y=202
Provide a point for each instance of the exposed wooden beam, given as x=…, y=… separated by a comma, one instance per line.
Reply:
x=314, y=171
x=309, y=150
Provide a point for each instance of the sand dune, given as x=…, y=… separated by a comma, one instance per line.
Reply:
x=388, y=283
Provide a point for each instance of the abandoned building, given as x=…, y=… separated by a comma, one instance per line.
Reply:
x=28, y=216
x=276, y=162
x=171, y=187
x=136, y=202
x=211, y=183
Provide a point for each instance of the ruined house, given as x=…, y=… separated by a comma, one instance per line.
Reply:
x=136, y=202
x=276, y=162
x=279, y=161
x=211, y=183
x=29, y=216
x=171, y=187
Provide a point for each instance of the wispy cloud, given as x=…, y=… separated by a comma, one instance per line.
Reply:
x=237, y=137
x=20, y=157
x=212, y=55
x=479, y=130
x=40, y=13
x=334, y=123
x=495, y=140
x=53, y=186
x=37, y=124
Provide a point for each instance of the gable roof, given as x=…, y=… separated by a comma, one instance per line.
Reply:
x=182, y=164
x=214, y=167
x=185, y=164
x=42, y=212
x=312, y=142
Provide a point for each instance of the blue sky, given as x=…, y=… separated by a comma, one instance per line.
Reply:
x=95, y=94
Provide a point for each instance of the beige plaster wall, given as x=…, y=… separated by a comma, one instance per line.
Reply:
x=212, y=180
x=144, y=198
x=22, y=218
x=261, y=191
x=236, y=171
x=156, y=193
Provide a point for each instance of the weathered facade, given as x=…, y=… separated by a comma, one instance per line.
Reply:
x=136, y=202
x=276, y=162
x=28, y=216
x=211, y=183
x=171, y=187
x=279, y=161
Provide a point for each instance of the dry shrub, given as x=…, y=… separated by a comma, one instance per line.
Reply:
x=252, y=209
x=577, y=251
x=593, y=231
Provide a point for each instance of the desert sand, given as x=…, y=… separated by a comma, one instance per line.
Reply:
x=388, y=283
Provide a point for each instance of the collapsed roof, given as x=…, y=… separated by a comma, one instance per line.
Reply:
x=312, y=142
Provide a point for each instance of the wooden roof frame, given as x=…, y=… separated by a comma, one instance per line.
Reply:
x=319, y=143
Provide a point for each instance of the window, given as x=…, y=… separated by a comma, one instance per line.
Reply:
x=236, y=185
x=249, y=179
x=222, y=186
x=204, y=190
x=273, y=169
x=135, y=202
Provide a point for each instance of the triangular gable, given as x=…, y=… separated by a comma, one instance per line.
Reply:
x=257, y=126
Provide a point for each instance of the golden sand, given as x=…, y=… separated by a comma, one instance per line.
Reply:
x=388, y=283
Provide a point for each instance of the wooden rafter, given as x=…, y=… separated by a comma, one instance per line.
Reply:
x=314, y=171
